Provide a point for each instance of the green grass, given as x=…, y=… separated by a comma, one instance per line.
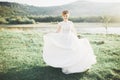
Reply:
x=21, y=58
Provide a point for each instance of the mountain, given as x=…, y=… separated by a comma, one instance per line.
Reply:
x=78, y=8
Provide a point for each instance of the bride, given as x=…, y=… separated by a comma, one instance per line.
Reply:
x=63, y=49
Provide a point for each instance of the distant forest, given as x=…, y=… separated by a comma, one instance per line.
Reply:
x=37, y=19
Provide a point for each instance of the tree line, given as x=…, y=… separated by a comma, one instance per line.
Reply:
x=38, y=19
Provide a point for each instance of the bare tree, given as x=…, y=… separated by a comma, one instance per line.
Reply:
x=106, y=20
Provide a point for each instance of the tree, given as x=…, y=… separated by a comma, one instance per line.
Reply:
x=106, y=20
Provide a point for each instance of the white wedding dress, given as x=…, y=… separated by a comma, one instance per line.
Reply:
x=65, y=50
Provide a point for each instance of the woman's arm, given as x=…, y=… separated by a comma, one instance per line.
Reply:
x=74, y=30
x=58, y=29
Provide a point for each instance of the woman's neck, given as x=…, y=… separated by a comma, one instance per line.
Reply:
x=65, y=20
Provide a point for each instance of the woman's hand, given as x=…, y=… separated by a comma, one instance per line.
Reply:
x=58, y=29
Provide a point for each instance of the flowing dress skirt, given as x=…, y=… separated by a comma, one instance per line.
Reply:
x=67, y=51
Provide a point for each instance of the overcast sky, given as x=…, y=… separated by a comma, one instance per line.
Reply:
x=53, y=2
x=42, y=2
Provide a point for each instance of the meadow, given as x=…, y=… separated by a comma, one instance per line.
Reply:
x=23, y=26
x=21, y=57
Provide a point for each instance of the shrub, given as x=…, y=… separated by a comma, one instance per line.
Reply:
x=20, y=20
x=3, y=21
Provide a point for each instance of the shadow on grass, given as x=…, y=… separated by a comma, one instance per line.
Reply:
x=40, y=73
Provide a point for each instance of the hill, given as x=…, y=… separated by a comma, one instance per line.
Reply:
x=78, y=8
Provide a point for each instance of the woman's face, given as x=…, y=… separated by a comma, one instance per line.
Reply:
x=66, y=16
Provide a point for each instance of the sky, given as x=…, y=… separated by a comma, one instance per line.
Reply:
x=53, y=2
x=105, y=1
x=42, y=2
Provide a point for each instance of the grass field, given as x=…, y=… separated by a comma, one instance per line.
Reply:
x=21, y=58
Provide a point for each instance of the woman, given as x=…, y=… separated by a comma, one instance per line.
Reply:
x=65, y=50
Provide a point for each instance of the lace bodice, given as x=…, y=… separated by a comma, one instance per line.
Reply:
x=66, y=27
